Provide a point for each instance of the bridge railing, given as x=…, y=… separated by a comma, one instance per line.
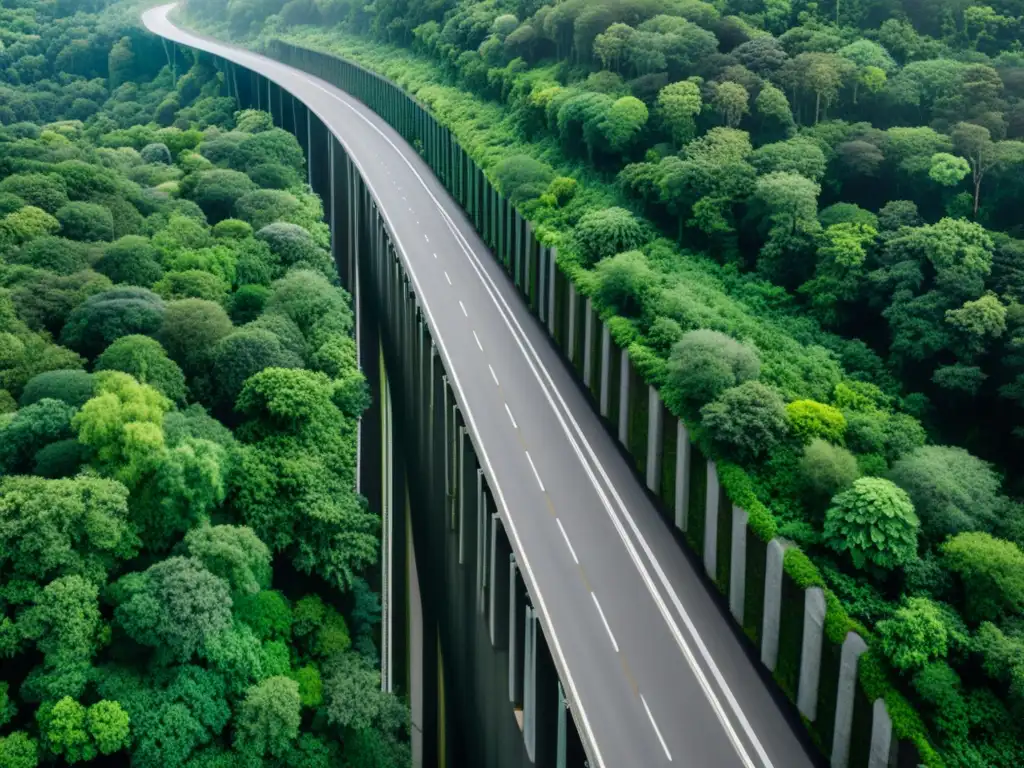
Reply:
x=817, y=655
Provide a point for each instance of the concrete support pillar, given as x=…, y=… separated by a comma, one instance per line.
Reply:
x=482, y=542
x=542, y=283
x=714, y=490
x=311, y=158
x=572, y=323
x=624, y=398
x=588, y=341
x=606, y=358
x=516, y=613
x=655, y=427
x=682, y=500
x=462, y=492
x=552, y=266
x=772, y=603
x=810, y=653
x=562, y=746
x=530, y=683
x=881, y=736
x=738, y=564
x=853, y=647
x=498, y=604
x=546, y=702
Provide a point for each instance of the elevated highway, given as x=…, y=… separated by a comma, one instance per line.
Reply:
x=650, y=664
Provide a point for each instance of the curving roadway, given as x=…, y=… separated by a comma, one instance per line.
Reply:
x=652, y=666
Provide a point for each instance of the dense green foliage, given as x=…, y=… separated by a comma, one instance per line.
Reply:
x=184, y=561
x=800, y=218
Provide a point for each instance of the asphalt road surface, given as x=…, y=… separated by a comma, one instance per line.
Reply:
x=655, y=672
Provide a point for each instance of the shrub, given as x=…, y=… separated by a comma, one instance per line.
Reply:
x=243, y=353
x=247, y=303
x=190, y=329
x=746, y=421
x=825, y=470
x=46, y=191
x=270, y=146
x=952, y=490
x=156, y=153
x=107, y=316
x=146, y=360
x=623, y=282
x=289, y=334
x=232, y=229
x=86, y=221
x=606, y=232
x=86, y=181
x=521, y=178
x=915, y=635
x=218, y=191
x=265, y=206
x=992, y=573
x=60, y=459
x=131, y=260
x=874, y=522
x=253, y=121
x=192, y=284
x=563, y=189
x=307, y=298
x=705, y=363
x=256, y=264
x=24, y=224
x=809, y=419
x=71, y=387
x=275, y=176
x=291, y=244
x=9, y=203
x=56, y=254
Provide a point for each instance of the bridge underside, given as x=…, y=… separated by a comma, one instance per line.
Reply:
x=460, y=635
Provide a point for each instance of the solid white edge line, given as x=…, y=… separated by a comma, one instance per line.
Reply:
x=691, y=659
x=486, y=278
x=567, y=542
x=607, y=628
x=657, y=732
x=510, y=319
x=511, y=417
x=574, y=699
x=527, y=568
x=533, y=466
x=494, y=375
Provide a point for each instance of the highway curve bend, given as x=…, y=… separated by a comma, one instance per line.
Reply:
x=655, y=672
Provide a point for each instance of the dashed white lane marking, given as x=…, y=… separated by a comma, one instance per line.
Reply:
x=463, y=306
x=425, y=237
x=567, y=542
x=511, y=417
x=447, y=278
x=494, y=375
x=435, y=255
x=657, y=732
x=479, y=345
x=535, y=472
x=608, y=629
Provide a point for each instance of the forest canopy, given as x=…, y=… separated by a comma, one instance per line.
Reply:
x=186, y=568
